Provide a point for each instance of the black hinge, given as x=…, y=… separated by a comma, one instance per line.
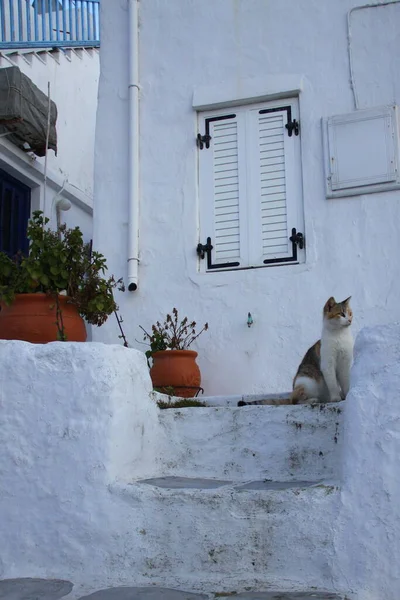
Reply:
x=297, y=239
x=204, y=250
x=203, y=139
x=292, y=126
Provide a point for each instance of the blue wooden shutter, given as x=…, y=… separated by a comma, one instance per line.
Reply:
x=15, y=208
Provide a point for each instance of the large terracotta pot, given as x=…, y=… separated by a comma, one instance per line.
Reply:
x=176, y=369
x=32, y=318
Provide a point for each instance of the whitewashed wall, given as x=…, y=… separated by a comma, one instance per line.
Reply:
x=368, y=527
x=73, y=78
x=352, y=243
x=78, y=428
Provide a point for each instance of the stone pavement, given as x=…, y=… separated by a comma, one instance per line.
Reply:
x=53, y=589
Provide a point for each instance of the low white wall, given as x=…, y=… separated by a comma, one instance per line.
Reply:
x=73, y=418
x=368, y=532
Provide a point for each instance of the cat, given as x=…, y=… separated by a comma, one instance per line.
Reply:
x=324, y=372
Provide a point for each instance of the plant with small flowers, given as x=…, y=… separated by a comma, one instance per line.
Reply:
x=172, y=334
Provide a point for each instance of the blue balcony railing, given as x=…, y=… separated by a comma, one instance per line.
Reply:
x=49, y=24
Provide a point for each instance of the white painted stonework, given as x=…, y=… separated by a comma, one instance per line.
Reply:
x=220, y=53
x=101, y=488
x=73, y=76
x=294, y=443
x=366, y=539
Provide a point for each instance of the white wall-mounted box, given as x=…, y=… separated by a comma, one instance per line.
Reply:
x=361, y=152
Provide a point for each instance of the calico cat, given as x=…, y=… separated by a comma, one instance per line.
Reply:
x=324, y=372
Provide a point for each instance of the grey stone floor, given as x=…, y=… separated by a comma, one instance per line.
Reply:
x=286, y=596
x=34, y=589
x=53, y=589
x=181, y=483
x=168, y=594
x=145, y=593
x=275, y=485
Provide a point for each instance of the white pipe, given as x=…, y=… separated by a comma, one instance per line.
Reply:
x=46, y=148
x=133, y=145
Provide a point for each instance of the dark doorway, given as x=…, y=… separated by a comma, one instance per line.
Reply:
x=15, y=209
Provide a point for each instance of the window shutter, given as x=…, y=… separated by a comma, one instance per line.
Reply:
x=226, y=190
x=221, y=181
x=272, y=136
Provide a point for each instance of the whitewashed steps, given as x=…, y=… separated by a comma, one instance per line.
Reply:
x=281, y=443
x=243, y=535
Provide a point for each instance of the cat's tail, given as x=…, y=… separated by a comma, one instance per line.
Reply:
x=299, y=394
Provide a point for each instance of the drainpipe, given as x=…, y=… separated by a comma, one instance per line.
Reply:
x=133, y=146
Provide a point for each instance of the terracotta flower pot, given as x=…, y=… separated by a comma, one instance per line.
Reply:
x=176, y=369
x=32, y=318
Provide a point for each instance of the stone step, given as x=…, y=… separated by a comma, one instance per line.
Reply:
x=268, y=399
x=50, y=589
x=231, y=534
x=253, y=442
x=147, y=593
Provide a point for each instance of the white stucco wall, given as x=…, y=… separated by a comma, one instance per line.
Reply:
x=237, y=46
x=73, y=77
x=368, y=529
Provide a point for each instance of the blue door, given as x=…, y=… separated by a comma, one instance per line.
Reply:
x=15, y=209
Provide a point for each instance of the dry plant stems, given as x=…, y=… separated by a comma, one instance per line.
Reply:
x=172, y=334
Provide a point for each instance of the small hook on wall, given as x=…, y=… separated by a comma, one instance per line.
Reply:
x=249, y=320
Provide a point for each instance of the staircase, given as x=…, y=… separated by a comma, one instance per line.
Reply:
x=245, y=504
x=110, y=498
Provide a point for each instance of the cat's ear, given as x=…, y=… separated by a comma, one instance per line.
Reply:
x=347, y=300
x=329, y=304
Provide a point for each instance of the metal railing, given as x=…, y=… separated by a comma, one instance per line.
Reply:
x=49, y=23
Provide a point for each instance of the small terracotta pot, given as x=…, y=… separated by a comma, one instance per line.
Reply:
x=32, y=318
x=176, y=369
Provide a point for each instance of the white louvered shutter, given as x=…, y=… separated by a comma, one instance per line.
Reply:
x=226, y=190
x=274, y=218
x=279, y=183
x=221, y=182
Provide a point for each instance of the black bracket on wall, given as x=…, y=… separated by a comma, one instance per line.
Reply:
x=291, y=125
x=205, y=250
x=204, y=140
x=297, y=239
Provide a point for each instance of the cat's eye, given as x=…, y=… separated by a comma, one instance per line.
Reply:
x=342, y=314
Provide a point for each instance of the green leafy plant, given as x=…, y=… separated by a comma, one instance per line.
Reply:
x=60, y=262
x=172, y=334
